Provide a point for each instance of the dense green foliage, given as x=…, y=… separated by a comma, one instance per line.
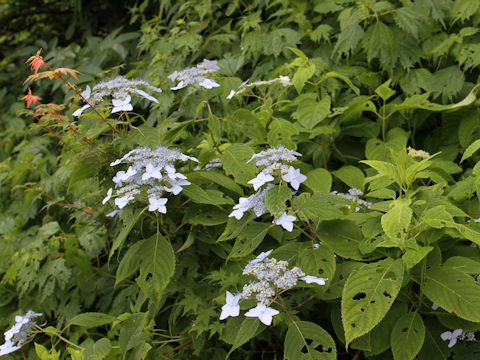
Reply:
x=372, y=82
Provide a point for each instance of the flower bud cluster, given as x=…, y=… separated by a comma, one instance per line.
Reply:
x=196, y=75
x=121, y=90
x=354, y=196
x=274, y=162
x=417, y=153
x=19, y=333
x=273, y=276
x=245, y=86
x=151, y=173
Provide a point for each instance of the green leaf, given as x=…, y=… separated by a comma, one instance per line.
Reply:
x=318, y=262
x=336, y=75
x=447, y=82
x=350, y=175
x=384, y=90
x=471, y=149
x=218, y=178
x=130, y=262
x=397, y=220
x=312, y=112
x=453, y=291
x=157, y=266
x=407, y=336
x=234, y=160
x=276, y=199
x=130, y=219
x=247, y=330
x=379, y=42
x=437, y=217
x=320, y=344
x=249, y=239
x=97, y=350
x=301, y=76
x=319, y=180
x=348, y=40
x=200, y=196
x=281, y=132
x=91, y=319
x=384, y=169
x=342, y=236
x=132, y=332
x=368, y=294
x=463, y=264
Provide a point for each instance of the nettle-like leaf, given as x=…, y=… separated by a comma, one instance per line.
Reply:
x=454, y=291
x=407, y=336
x=368, y=295
x=306, y=340
x=276, y=199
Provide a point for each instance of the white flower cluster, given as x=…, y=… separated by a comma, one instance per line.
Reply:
x=19, y=333
x=151, y=172
x=273, y=276
x=212, y=164
x=120, y=89
x=283, y=80
x=354, y=196
x=273, y=162
x=417, y=153
x=459, y=334
x=196, y=75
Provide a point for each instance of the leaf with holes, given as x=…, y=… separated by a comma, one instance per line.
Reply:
x=318, y=262
x=453, y=291
x=342, y=236
x=368, y=294
x=407, y=336
x=249, y=239
x=306, y=340
x=157, y=266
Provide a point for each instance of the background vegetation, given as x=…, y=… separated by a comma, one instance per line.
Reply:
x=370, y=78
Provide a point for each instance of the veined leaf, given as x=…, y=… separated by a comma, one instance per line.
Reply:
x=342, y=236
x=320, y=345
x=157, y=266
x=407, y=336
x=301, y=76
x=276, y=199
x=319, y=180
x=247, y=330
x=350, y=175
x=280, y=132
x=234, y=160
x=92, y=319
x=130, y=221
x=397, y=219
x=368, y=295
x=454, y=291
x=312, y=112
x=249, y=239
x=471, y=149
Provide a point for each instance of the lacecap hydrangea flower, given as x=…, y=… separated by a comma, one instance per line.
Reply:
x=353, y=195
x=20, y=333
x=120, y=89
x=151, y=174
x=275, y=167
x=272, y=277
x=245, y=86
x=197, y=75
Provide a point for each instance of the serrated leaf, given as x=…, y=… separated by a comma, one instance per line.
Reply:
x=348, y=40
x=320, y=345
x=301, y=76
x=368, y=294
x=396, y=221
x=200, y=196
x=312, y=112
x=91, y=319
x=471, y=149
x=454, y=291
x=379, y=42
x=350, y=175
x=157, y=266
x=384, y=90
x=437, y=217
x=281, y=132
x=249, y=239
x=276, y=199
x=407, y=336
x=342, y=236
x=318, y=262
x=234, y=160
x=447, y=82
x=97, y=350
x=247, y=330
x=319, y=180
x=130, y=219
